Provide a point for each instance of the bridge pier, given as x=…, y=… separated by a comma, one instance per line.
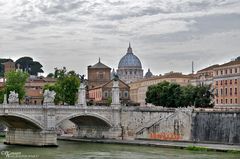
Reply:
x=32, y=137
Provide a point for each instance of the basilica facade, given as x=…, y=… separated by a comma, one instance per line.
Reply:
x=130, y=67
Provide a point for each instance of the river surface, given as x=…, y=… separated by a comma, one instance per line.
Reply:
x=80, y=150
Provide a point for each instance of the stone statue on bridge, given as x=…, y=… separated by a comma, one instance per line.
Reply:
x=49, y=97
x=13, y=98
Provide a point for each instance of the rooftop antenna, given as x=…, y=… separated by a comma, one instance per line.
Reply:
x=192, y=67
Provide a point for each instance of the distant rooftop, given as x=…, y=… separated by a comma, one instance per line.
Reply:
x=99, y=65
x=208, y=68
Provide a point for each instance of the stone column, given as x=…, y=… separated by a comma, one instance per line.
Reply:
x=115, y=93
x=82, y=95
x=5, y=99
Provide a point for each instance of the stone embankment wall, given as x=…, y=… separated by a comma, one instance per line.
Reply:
x=219, y=125
x=187, y=124
x=158, y=123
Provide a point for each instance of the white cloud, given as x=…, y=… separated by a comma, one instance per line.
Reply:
x=88, y=29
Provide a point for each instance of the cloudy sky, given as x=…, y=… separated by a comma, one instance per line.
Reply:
x=165, y=34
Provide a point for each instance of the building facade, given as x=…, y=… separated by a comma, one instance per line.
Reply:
x=130, y=67
x=139, y=88
x=226, y=80
x=103, y=93
x=98, y=74
x=9, y=66
x=204, y=76
x=34, y=89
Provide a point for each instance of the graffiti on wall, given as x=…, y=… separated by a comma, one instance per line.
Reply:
x=165, y=136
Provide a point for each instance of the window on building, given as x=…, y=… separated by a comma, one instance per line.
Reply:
x=235, y=92
x=217, y=101
x=236, y=101
x=221, y=82
x=235, y=81
x=226, y=101
x=226, y=91
x=221, y=91
x=231, y=101
x=230, y=81
x=230, y=91
x=235, y=70
x=225, y=82
x=100, y=75
x=225, y=72
x=216, y=92
x=126, y=94
x=231, y=71
x=105, y=94
x=221, y=101
x=221, y=72
x=216, y=82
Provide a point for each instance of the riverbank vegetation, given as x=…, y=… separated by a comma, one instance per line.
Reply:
x=168, y=94
x=196, y=148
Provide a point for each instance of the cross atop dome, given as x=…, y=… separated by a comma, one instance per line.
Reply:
x=129, y=51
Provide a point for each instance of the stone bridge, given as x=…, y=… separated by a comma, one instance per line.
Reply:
x=38, y=124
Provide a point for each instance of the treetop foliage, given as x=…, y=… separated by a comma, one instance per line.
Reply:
x=173, y=95
x=15, y=81
x=27, y=64
x=66, y=87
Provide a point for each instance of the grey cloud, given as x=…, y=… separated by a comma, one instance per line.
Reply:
x=62, y=6
x=217, y=23
x=51, y=30
x=24, y=38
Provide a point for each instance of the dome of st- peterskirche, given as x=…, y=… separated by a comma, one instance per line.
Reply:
x=130, y=60
x=130, y=67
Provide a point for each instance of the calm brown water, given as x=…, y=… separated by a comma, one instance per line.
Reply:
x=79, y=150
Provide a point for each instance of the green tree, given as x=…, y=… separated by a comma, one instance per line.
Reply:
x=66, y=87
x=164, y=94
x=60, y=73
x=188, y=95
x=27, y=64
x=15, y=81
x=203, y=96
x=69, y=87
x=1, y=96
x=50, y=75
x=173, y=95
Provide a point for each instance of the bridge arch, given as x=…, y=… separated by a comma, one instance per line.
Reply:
x=16, y=120
x=86, y=119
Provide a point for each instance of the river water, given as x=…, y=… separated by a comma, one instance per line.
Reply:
x=80, y=150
